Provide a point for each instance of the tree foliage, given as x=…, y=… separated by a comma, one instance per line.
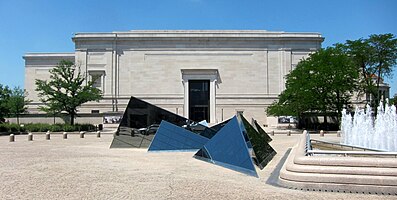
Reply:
x=377, y=56
x=17, y=102
x=321, y=83
x=13, y=102
x=4, y=96
x=393, y=100
x=65, y=90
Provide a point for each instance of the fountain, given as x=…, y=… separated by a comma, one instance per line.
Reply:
x=364, y=162
x=363, y=131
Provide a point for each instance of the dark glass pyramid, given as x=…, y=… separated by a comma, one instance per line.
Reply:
x=261, y=148
x=228, y=148
x=170, y=137
x=262, y=132
x=141, y=121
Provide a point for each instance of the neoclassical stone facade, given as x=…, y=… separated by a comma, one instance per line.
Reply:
x=200, y=74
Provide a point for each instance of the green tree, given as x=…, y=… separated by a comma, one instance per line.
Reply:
x=294, y=100
x=383, y=58
x=393, y=100
x=4, y=96
x=52, y=110
x=66, y=91
x=376, y=55
x=360, y=51
x=322, y=83
x=17, y=102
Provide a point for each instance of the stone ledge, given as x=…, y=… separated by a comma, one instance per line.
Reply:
x=384, y=171
x=341, y=188
x=340, y=174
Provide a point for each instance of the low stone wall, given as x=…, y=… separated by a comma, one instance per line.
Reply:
x=375, y=175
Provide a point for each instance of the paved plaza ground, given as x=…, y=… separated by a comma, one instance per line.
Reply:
x=86, y=168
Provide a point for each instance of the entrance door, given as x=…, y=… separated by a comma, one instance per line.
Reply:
x=199, y=100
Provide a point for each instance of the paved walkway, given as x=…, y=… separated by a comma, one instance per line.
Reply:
x=87, y=169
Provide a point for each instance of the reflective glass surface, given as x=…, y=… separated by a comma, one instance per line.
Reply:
x=228, y=148
x=218, y=127
x=261, y=148
x=262, y=132
x=170, y=137
x=141, y=121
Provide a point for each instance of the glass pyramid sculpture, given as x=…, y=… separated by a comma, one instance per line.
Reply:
x=236, y=146
x=141, y=120
x=234, y=143
x=228, y=148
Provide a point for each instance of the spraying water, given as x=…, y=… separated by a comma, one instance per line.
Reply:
x=361, y=129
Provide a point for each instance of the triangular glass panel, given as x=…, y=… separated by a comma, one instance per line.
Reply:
x=219, y=126
x=170, y=137
x=228, y=148
x=262, y=150
x=261, y=131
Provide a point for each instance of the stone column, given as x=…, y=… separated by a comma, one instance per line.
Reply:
x=48, y=135
x=212, y=101
x=321, y=133
x=30, y=137
x=186, y=99
x=12, y=138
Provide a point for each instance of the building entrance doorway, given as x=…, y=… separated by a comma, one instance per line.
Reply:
x=199, y=100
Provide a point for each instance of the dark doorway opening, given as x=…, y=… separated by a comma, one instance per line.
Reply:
x=199, y=100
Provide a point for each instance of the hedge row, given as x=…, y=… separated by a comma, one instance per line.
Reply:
x=39, y=127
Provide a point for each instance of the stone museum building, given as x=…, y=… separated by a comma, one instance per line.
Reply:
x=198, y=74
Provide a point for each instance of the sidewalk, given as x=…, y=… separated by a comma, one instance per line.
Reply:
x=85, y=168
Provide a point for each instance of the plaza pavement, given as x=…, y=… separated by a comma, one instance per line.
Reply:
x=85, y=168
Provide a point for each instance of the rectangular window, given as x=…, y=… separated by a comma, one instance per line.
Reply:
x=199, y=100
x=97, y=78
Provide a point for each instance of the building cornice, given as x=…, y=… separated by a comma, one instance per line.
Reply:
x=190, y=34
x=48, y=55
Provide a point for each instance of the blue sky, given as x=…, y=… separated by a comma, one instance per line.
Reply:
x=47, y=25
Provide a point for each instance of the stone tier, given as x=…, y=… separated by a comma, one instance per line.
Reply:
x=374, y=175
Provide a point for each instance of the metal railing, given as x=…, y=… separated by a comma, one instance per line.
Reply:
x=347, y=153
x=361, y=150
x=345, y=146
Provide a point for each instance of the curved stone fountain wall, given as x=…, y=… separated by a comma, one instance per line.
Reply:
x=375, y=175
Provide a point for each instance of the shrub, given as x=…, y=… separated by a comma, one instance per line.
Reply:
x=40, y=127
x=4, y=128
x=68, y=128
x=84, y=127
x=22, y=128
x=13, y=128
x=57, y=127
